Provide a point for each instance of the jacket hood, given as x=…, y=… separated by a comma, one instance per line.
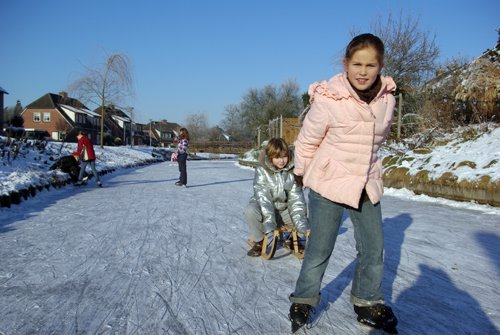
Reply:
x=338, y=87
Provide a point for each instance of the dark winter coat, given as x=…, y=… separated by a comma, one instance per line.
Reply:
x=67, y=164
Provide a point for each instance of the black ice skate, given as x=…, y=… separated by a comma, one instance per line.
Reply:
x=299, y=314
x=377, y=316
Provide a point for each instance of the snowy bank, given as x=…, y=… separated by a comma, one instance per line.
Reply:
x=463, y=167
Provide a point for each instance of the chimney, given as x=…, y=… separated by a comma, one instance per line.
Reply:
x=63, y=94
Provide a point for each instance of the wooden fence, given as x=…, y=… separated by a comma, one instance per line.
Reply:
x=286, y=128
x=220, y=147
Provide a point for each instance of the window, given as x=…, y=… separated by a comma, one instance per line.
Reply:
x=36, y=117
x=46, y=116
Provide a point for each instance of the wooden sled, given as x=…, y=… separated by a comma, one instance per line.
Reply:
x=270, y=242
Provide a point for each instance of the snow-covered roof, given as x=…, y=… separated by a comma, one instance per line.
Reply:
x=72, y=109
x=120, y=118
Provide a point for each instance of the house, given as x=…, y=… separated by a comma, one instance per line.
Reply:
x=62, y=117
x=116, y=125
x=2, y=92
x=139, y=134
x=120, y=129
x=163, y=132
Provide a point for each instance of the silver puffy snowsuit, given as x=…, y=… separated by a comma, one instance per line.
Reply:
x=276, y=196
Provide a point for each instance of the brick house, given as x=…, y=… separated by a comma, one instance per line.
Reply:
x=62, y=117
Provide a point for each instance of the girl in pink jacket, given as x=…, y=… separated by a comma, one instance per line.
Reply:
x=336, y=158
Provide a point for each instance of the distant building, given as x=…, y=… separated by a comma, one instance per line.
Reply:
x=121, y=129
x=162, y=133
x=2, y=92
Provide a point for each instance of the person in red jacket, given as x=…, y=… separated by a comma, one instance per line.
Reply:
x=86, y=154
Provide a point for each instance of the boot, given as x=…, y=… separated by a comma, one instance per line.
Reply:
x=378, y=316
x=299, y=314
x=256, y=250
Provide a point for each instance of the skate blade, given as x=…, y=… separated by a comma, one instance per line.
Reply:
x=387, y=329
x=295, y=327
x=390, y=330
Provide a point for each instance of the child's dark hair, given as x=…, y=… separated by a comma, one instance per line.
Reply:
x=363, y=41
x=184, y=134
x=277, y=147
x=82, y=132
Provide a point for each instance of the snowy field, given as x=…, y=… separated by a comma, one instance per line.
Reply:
x=141, y=256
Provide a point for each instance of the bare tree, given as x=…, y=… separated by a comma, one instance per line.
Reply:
x=411, y=54
x=111, y=83
x=259, y=106
x=10, y=112
x=437, y=106
x=232, y=123
x=197, y=125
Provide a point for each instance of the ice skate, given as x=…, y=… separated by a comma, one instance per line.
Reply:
x=299, y=314
x=378, y=316
x=256, y=250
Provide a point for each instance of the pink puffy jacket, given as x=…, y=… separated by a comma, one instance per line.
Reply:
x=336, y=150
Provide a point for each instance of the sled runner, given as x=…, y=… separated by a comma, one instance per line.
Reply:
x=287, y=237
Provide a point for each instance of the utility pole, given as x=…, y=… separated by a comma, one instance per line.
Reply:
x=131, y=134
x=150, y=132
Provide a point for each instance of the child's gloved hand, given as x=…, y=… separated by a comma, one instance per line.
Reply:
x=301, y=227
x=269, y=227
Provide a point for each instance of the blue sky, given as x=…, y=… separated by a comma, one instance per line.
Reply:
x=200, y=56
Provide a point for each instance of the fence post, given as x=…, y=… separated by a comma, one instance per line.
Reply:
x=258, y=137
x=281, y=126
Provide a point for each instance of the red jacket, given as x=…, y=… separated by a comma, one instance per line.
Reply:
x=85, y=149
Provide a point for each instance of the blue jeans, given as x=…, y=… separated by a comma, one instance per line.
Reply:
x=92, y=167
x=325, y=218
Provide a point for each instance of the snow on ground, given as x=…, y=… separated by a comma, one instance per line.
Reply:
x=30, y=165
x=469, y=160
x=141, y=256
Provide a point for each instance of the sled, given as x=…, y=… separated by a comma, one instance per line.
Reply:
x=270, y=242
